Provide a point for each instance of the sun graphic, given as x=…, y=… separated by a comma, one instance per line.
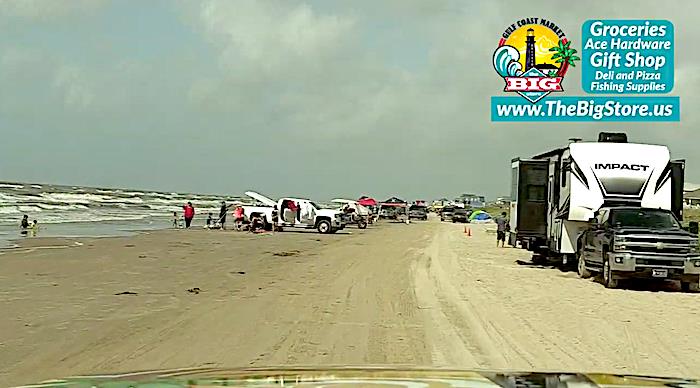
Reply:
x=544, y=40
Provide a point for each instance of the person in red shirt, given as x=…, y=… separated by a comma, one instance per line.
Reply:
x=189, y=214
x=239, y=217
x=294, y=208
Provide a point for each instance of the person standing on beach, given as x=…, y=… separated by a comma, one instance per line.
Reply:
x=222, y=215
x=239, y=217
x=176, y=220
x=502, y=228
x=24, y=225
x=189, y=214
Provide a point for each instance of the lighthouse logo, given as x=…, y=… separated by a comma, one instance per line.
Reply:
x=533, y=57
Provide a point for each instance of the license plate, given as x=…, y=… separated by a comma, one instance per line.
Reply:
x=659, y=273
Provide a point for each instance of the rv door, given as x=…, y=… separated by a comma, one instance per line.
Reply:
x=532, y=190
x=677, y=181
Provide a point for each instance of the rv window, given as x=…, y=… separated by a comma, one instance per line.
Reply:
x=514, y=183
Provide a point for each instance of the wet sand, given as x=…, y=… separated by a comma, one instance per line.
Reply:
x=423, y=294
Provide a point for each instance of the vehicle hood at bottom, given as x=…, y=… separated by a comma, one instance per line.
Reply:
x=361, y=377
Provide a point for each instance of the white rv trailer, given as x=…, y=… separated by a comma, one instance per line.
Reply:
x=556, y=193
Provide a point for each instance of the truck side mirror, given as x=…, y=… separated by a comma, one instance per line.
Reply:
x=693, y=227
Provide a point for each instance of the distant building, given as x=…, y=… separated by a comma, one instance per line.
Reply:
x=688, y=187
x=692, y=198
x=502, y=201
x=471, y=200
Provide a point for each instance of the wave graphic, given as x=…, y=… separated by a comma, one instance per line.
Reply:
x=505, y=61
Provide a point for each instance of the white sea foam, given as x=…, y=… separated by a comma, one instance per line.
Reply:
x=11, y=186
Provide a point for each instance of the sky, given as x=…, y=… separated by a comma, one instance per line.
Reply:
x=318, y=98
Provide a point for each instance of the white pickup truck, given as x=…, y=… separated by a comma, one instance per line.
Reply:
x=307, y=216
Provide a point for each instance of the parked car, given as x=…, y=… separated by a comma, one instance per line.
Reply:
x=460, y=215
x=633, y=242
x=418, y=212
x=446, y=213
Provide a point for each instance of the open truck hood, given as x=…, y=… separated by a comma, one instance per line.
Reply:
x=362, y=377
x=261, y=198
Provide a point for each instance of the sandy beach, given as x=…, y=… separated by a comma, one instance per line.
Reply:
x=422, y=294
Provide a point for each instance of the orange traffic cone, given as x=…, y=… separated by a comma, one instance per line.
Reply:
x=469, y=233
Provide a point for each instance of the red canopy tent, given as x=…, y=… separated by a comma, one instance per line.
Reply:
x=366, y=201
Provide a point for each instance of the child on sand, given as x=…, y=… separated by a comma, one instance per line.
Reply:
x=176, y=220
x=210, y=221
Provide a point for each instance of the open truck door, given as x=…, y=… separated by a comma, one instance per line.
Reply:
x=528, y=216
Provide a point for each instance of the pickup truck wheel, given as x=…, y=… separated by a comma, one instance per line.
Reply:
x=324, y=226
x=609, y=280
x=362, y=224
x=690, y=286
x=583, y=272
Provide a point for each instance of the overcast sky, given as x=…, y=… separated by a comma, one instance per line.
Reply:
x=314, y=98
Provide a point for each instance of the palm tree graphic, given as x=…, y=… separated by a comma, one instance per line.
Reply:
x=564, y=55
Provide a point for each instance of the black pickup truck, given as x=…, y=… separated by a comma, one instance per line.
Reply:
x=632, y=242
x=460, y=215
x=418, y=212
x=446, y=213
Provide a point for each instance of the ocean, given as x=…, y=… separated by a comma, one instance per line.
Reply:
x=72, y=211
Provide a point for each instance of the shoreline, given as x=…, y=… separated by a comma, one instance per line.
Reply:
x=11, y=238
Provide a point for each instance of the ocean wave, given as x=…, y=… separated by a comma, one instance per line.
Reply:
x=47, y=206
x=87, y=217
x=9, y=210
x=71, y=197
x=36, y=186
x=11, y=199
x=29, y=208
x=11, y=186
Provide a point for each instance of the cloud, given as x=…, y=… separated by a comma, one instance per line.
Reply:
x=47, y=9
x=301, y=97
x=269, y=35
x=76, y=90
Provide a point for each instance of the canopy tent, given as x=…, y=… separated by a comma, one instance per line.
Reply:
x=395, y=202
x=479, y=215
x=367, y=201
